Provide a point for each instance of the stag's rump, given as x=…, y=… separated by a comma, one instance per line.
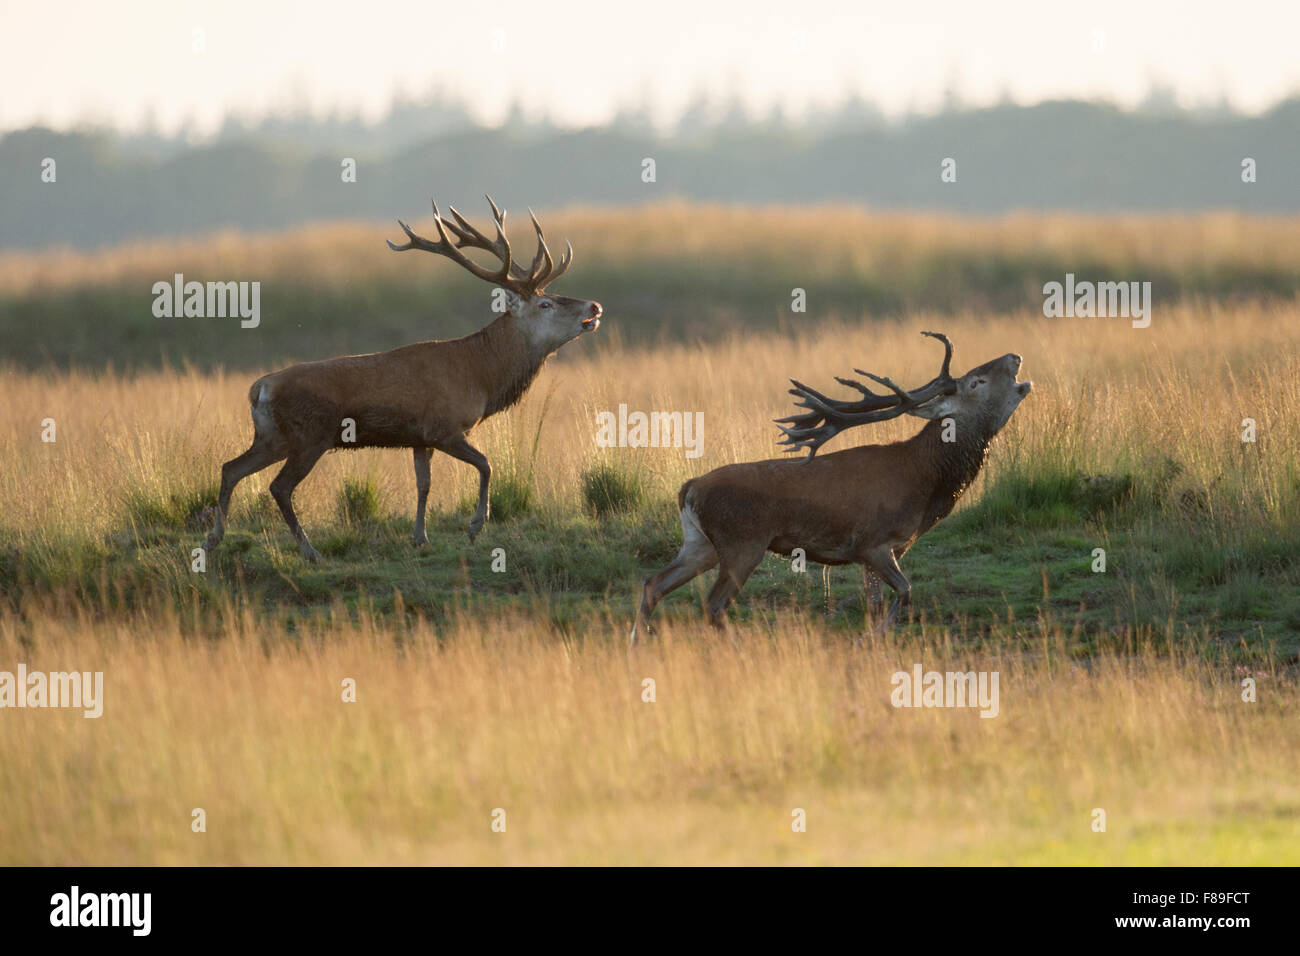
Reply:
x=781, y=504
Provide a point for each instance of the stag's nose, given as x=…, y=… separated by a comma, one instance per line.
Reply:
x=591, y=323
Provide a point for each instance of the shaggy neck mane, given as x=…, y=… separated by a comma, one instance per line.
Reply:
x=953, y=465
x=515, y=362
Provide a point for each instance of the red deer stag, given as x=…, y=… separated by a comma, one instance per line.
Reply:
x=864, y=505
x=427, y=396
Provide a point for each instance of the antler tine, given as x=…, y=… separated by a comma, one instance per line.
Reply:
x=821, y=402
x=542, y=261
x=566, y=260
x=947, y=355
x=851, y=383
x=502, y=252
x=827, y=417
x=799, y=439
x=902, y=394
x=410, y=245
x=817, y=401
x=818, y=404
x=869, y=401
x=466, y=235
x=498, y=219
x=463, y=234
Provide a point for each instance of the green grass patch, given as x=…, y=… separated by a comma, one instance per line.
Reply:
x=1182, y=580
x=610, y=488
x=151, y=507
x=358, y=501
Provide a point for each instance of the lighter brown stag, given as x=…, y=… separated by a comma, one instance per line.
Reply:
x=428, y=396
x=864, y=505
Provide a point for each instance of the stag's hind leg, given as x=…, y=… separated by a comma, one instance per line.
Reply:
x=737, y=565
x=422, y=456
x=696, y=556
x=297, y=468
x=264, y=452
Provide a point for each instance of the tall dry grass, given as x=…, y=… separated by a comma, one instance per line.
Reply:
x=448, y=727
x=504, y=711
x=1107, y=398
x=819, y=238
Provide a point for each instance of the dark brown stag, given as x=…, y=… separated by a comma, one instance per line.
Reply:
x=427, y=396
x=864, y=505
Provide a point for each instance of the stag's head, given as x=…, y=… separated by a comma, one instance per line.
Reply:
x=979, y=402
x=548, y=320
x=982, y=399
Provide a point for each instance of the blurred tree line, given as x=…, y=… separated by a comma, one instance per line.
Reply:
x=287, y=169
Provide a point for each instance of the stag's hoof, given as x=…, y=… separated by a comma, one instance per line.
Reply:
x=419, y=540
x=212, y=541
x=474, y=528
x=309, y=553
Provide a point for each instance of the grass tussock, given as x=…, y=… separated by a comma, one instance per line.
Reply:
x=359, y=501
x=610, y=487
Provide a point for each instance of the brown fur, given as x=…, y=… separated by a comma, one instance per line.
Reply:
x=416, y=395
x=785, y=501
x=426, y=397
x=865, y=505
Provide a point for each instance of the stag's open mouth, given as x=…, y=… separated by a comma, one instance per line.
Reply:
x=590, y=325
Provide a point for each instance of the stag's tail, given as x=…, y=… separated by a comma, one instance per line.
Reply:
x=681, y=494
x=259, y=405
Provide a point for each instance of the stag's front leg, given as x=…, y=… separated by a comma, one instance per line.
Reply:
x=460, y=448
x=884, y=563
x=422, y=456
x=875, y=598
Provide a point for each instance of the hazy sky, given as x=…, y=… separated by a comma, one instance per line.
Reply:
x=578, y=60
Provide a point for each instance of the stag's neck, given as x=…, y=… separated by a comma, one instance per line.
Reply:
x=953, y=465
x=510, y=361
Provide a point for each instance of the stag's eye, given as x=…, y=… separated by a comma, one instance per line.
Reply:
x=546, y=304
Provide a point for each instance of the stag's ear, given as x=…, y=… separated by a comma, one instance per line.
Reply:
x=514, y=301
x=938, y=408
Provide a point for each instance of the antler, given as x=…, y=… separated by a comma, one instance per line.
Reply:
x=511, y=275
x=828, y=416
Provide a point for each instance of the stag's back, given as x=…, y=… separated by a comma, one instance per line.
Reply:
x=830, y=505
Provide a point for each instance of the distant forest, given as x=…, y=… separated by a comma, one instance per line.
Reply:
x=285, y=170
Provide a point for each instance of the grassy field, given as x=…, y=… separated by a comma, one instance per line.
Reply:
x=666, y=272
x=480, y=689
x=452, y=724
